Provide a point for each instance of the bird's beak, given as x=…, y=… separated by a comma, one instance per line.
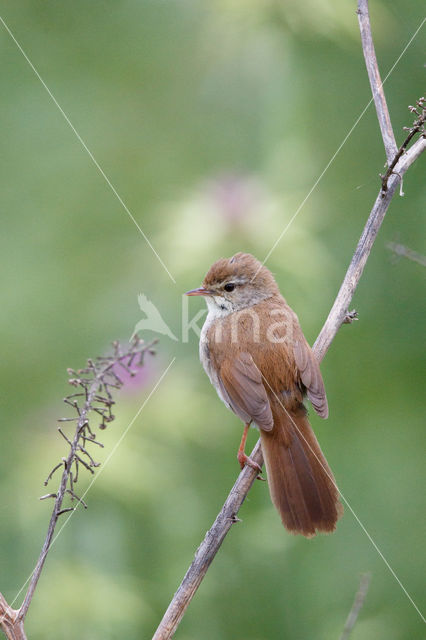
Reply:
x=201, y=291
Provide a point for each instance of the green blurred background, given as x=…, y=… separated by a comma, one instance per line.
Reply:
x=213, y=120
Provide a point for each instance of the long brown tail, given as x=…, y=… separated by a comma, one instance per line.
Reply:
x=300, y=481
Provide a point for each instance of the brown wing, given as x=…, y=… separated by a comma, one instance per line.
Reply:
x=310, y=375
x=241, y=384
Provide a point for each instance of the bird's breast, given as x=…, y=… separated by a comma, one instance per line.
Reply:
x=265, y=331
x=208, y=354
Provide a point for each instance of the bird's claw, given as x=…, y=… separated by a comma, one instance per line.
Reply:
x=244, y=460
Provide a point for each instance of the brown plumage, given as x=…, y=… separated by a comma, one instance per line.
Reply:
x=301, y=483
x=256, y=356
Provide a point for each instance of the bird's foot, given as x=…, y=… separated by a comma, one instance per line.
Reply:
x=244, y=460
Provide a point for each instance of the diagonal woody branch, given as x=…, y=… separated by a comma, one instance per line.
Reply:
x=338, y=315
x=365, y=244
x=339, y=312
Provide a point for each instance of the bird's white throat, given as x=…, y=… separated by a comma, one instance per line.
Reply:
x=218, y=307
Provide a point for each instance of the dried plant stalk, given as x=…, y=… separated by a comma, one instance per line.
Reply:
x=94, y=398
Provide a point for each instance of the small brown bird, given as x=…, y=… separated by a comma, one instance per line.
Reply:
x=257, y=358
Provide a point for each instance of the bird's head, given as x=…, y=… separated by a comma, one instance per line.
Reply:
x=236, y=283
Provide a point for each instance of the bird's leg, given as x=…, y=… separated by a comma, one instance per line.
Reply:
x=243, y=458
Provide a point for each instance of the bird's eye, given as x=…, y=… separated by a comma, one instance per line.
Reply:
x=230, y=286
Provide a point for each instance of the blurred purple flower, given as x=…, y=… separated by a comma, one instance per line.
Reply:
x=236, y=196
x=142, y=376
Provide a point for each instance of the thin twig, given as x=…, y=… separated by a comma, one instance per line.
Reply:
x=357, y=606
x=67, y=510
x=418, y=127
x=375, y=81
x=49, y=477
x=406, y=252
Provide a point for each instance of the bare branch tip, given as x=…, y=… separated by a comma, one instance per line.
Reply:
x=62, y=511
x=350, y=316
